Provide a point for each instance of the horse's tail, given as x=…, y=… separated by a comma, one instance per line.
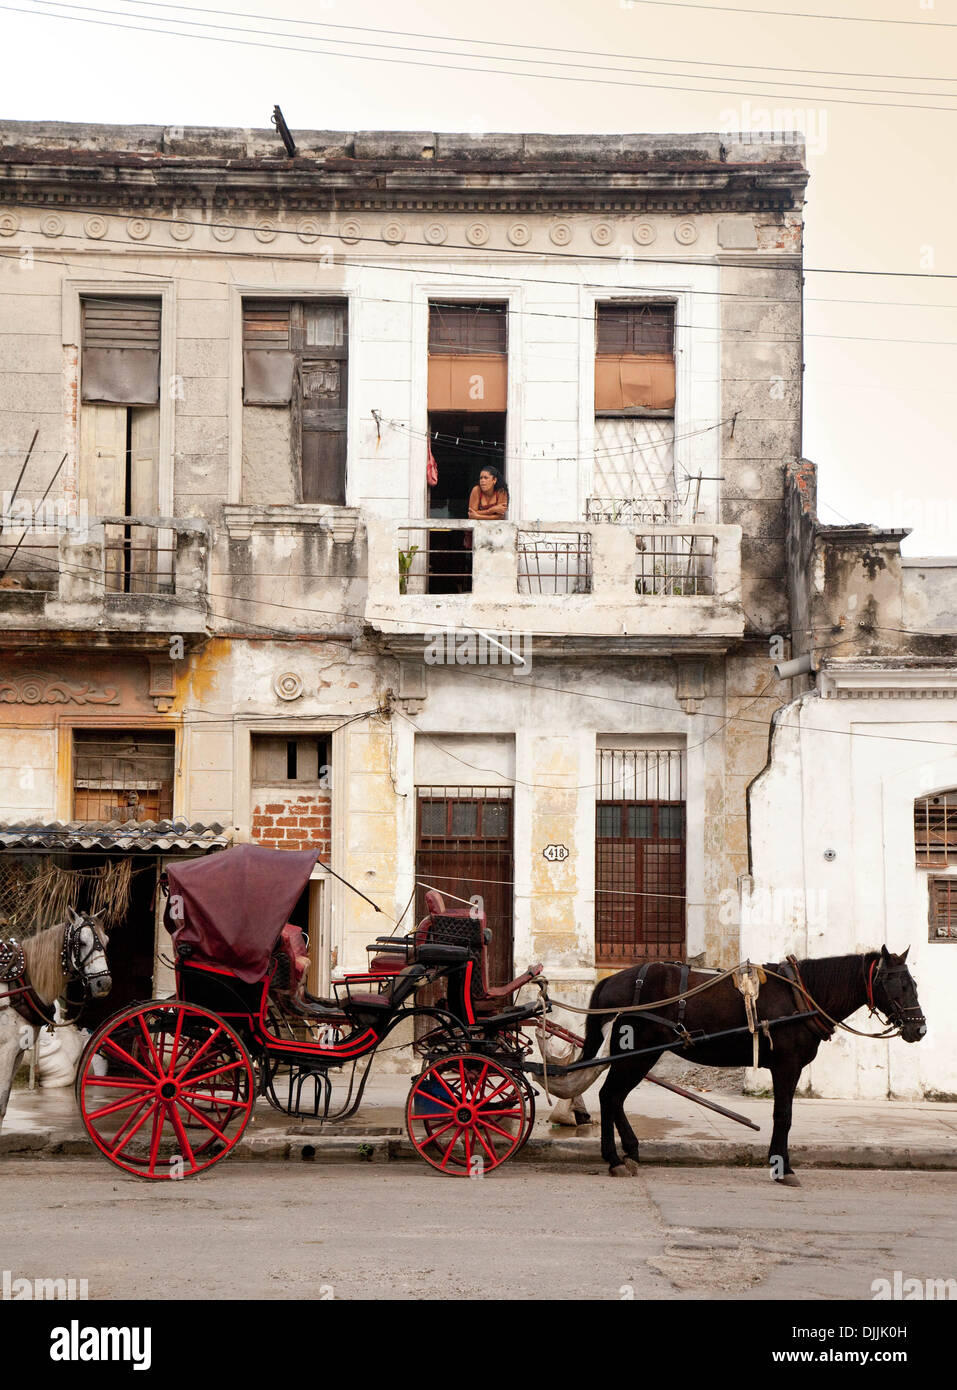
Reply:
x=573, y=1084
x=593, y=1027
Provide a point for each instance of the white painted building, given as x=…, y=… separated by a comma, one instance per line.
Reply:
x=853, y=823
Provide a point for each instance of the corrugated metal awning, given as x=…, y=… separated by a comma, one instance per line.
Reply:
x=145, y=836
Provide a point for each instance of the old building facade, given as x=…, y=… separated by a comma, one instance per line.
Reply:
x=854, y=820
x=253, y=604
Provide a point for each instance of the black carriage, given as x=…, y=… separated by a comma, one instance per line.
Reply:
x=166, y=1088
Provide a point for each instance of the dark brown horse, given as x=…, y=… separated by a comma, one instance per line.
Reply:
x=839, y=985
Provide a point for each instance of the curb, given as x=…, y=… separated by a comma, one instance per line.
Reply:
x=545, y=1152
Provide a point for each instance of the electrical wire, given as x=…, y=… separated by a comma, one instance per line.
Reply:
x=534, y=48
x=632, y=259
x=274, y=33
x=225, y=38
x=517, y=683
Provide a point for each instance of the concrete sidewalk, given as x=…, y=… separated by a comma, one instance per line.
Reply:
x=825, y=1133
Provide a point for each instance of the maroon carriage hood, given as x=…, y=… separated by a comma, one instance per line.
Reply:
x=235, y=903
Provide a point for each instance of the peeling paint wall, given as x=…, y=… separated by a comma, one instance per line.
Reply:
x=289, y=615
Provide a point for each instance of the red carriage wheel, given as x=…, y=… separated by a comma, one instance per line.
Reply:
x=165, y=1089
x=466, y=1114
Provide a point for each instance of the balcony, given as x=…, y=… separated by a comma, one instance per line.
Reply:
x=118, y=576
x=577, y=587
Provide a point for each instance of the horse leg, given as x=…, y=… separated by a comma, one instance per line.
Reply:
x=610, y=1100
x=629, y=1138
x=11, y=1050
x=785, y=1080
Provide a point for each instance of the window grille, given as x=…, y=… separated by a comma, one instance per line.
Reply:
x=122, y=775
x=554, y=563
x=935, y=828
x=639, y=856
x=943, y=909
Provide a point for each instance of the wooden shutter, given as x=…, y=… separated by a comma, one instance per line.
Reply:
x=321, y=335
x=468, y=362
x=943, y=909
x=935, y=828
x=461, y=328
x=268, y=363
x=634, y=357
x=120, y=351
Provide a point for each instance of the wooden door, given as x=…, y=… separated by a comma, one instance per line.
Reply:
x=464, y=847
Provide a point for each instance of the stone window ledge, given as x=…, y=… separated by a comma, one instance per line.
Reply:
x=241, y=520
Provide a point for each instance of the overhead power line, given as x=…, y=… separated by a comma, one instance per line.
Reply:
x=535, y=48
x=273, y=33
x=795, y=14
x=228, y=31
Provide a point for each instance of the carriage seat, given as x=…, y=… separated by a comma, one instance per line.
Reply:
x=309, y=1006
x=401, y=987
x=487, y=999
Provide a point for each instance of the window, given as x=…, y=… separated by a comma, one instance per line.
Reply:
x=277, y=759
x=122, y=775
x=639, y=856
x=461, y=328
x=295, y=356
x=119, y=429
x=935, y=829
x=120, y=362
x=634, y=413
x=635, y=357
x=943, y=909
x=467, y=402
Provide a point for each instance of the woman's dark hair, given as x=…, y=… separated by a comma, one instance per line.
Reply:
x=500, y=483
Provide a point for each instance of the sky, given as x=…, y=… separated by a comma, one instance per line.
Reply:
x=866, y=80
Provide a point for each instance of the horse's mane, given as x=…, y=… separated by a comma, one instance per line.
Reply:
x=43, y=953
x=843, y=973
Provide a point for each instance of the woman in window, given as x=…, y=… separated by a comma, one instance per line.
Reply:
x=488, y=500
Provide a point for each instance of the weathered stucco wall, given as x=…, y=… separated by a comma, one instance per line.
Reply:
x=844, y=777
x=279, y=626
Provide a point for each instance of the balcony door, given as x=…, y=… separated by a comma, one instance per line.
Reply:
x=119, y=436
x=467, y=400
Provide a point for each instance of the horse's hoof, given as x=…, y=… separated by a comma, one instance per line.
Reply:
x=632, y=1165
x=789, y=1180
x=582, y=1117
x=622, y=1170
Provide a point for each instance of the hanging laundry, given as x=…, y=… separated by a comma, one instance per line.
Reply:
x=432, y=468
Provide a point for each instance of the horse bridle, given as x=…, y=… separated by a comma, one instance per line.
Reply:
x=73, y=961
x=897, y=1014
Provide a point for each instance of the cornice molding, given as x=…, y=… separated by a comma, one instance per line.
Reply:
x=931, y=683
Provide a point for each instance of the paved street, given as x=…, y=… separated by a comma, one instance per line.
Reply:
x=300, y=1231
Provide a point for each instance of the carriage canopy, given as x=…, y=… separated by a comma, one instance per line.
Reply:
x=230, y=908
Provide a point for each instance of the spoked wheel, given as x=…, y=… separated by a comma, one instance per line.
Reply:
x=165, y=1089
x=529, y=1113
x=466, y=1114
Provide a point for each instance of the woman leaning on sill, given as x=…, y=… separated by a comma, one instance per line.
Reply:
x=488, y=500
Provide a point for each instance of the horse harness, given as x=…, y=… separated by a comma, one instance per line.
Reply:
x=747, y=981
x=819, y=1026
x=23, y=998
x=676, y=1024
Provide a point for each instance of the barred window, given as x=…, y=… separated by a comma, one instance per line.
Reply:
x=639, y=855
x=935, y=829
x=943, y=909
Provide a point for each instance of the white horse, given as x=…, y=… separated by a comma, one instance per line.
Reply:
x=72, y=950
